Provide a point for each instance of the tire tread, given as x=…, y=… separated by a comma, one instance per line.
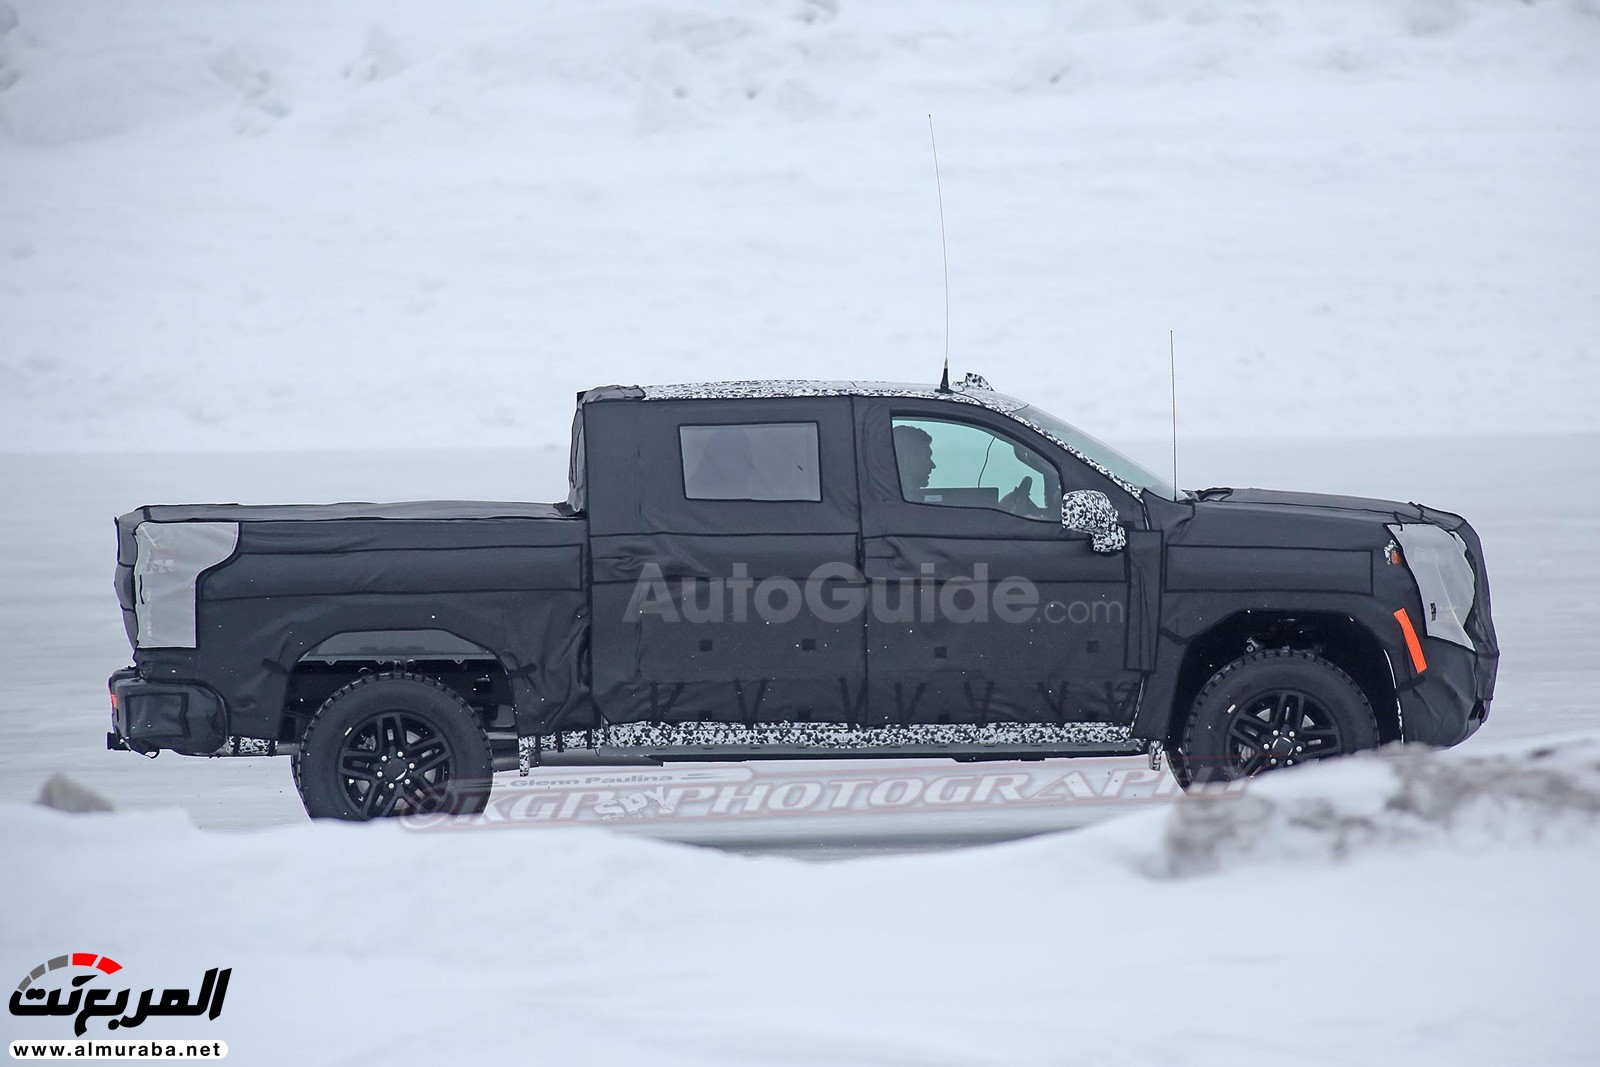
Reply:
x=1179, y=755
x=319, y=719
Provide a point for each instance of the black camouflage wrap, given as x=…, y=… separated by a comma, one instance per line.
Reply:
x=543, y=591
x=507, y=578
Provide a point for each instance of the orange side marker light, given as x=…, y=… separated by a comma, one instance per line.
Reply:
x=1418, y=661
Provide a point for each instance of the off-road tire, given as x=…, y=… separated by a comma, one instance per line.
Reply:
x=1267, y=710
x=353, y=762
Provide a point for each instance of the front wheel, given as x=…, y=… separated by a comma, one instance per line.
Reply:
x=1268, y=710
x=393, y=744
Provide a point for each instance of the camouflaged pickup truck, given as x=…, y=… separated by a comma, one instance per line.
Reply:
x=799, y=569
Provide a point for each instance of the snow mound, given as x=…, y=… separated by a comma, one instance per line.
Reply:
x=66, y=794
x=1391, y=799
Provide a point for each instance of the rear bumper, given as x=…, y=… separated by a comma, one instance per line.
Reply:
x=150, y=716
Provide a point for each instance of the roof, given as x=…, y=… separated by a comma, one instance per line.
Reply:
x=972, y=389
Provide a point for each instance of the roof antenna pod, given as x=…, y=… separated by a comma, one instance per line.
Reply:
x=944, y=380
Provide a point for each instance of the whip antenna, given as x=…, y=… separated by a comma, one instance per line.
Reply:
x=1172, y=373
x=944, y=381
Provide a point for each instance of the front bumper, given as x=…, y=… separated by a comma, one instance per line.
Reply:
x=149, y=716
x=1445, y=704
x=1447, y=599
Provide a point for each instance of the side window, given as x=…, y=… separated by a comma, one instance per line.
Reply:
x=958, y=464
x=751, y=461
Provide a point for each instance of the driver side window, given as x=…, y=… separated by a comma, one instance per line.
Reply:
x=958, y=464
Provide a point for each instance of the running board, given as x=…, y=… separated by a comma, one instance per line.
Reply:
x=712, y=753
x=804, y=740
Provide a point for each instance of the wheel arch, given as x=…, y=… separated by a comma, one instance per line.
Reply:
x=1343, y=640
x=470, y=670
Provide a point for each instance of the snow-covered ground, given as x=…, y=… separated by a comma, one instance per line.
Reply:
x=298, y=251
x=1404, y=908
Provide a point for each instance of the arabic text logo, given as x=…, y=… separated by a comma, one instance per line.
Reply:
x=32, y=998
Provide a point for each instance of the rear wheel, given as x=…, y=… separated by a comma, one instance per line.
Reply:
x=1269, y=710
x=393, y=744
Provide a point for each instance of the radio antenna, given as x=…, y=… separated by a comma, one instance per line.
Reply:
x=1172, y=373
x=944, y=381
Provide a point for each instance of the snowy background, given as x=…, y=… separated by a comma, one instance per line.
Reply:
x=391, y=222
x=298, y=251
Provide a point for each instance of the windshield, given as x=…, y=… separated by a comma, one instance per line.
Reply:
x=1128, y=470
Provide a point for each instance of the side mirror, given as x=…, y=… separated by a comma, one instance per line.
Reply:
x=1090, y=511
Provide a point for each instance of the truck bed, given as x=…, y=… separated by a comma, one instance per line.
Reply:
x=413, y=580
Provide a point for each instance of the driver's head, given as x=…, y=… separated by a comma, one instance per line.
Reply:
x=913, y=450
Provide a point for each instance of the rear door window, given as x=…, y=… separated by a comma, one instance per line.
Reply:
x=751, y=461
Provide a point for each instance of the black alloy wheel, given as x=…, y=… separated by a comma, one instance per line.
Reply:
x=1268, y=710
x=1280, y=728
x=393, y=744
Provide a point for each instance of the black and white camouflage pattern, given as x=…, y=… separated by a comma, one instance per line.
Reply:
x=249, y=746
x=751, y=390
x=821, y=736
x=1089, y=511
x=974, y=389
x=836, y=735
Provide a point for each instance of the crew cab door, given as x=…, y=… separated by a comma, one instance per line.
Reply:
x=984, y=607
x=723, y=534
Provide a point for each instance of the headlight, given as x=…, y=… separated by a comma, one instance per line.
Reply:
x=1438, y=563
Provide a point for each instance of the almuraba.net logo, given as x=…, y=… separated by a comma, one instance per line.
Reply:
x=42, y=993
